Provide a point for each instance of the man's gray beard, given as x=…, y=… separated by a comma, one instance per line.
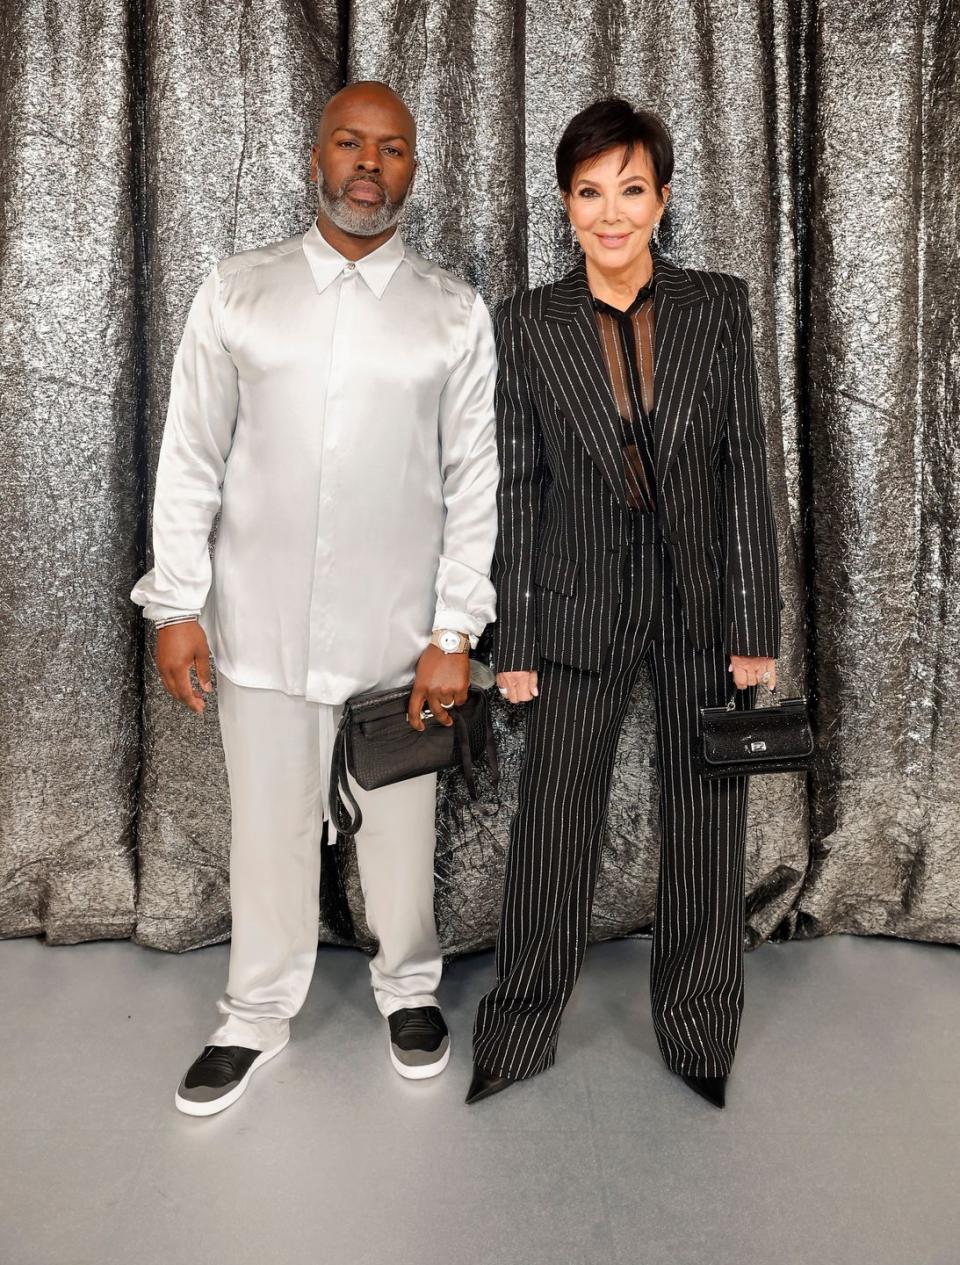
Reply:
x=362, y=223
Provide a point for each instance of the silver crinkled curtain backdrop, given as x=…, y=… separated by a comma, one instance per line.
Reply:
x=818, y=155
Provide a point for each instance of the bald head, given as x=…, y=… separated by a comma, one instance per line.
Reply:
x=370, y=100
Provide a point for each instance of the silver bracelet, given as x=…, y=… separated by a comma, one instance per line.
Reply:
x=174, y=619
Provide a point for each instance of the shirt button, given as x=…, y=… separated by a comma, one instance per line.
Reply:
x=349, y=267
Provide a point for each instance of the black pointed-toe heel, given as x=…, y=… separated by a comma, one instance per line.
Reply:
x=712, y=1088
x=484, y=1084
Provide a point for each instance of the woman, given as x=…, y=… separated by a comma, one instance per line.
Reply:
x=635, y=528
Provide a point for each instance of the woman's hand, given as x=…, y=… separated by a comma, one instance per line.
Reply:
x=749, y=669
x=517, y=687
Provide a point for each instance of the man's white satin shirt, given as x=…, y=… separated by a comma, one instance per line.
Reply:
x=340, y=416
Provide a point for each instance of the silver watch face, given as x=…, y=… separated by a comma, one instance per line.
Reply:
x=449, y=642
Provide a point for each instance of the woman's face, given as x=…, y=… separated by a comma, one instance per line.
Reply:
x=614, y=211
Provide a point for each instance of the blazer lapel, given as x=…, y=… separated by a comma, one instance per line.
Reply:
x=686, y=329
x=568, y=352
x=566, y=344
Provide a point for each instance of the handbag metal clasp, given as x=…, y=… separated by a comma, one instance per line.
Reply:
x=758, y=746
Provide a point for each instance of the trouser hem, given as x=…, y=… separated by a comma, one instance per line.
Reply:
x=695, y=1067
x=252, y=1035
x=406, y=1003
x=502, y=1070
x=503, y=1067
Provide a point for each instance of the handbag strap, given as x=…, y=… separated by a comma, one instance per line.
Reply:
x=346, y=820
x=462, y=740
x=461, y=737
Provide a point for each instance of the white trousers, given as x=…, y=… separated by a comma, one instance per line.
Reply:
x=278, y=749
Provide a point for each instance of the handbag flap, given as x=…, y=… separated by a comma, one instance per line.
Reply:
x=379, y=703
x=392, y=725
x=388, y=720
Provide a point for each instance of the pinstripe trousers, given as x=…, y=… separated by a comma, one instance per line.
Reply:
x=696, y=983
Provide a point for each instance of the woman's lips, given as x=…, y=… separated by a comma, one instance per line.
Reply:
x=612, y=239
x=365, y=191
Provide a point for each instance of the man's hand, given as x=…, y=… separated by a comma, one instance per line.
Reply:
x=517, y=687
x=747, y=670
x=181, y=647
x=442, y=680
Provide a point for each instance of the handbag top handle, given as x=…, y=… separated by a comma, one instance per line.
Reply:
x=732, y=701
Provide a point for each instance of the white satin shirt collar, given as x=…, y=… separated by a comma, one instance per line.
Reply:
x=327, y=264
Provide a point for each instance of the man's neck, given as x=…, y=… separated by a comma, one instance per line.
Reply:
x=351, y=245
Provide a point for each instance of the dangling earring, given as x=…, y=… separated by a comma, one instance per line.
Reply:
x=655, y=236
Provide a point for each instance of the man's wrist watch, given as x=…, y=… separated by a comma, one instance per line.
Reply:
x=450, y=642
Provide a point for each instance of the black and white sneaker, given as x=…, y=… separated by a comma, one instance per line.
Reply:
x=219, y=1076
x=419, y=1042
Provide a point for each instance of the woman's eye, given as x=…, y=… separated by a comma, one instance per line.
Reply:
x=634, y=188
x=587, y=193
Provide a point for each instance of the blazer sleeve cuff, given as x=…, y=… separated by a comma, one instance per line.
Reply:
x=752, y=649
x=514, y=657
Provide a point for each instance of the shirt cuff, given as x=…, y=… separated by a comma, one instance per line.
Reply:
x=159, y=614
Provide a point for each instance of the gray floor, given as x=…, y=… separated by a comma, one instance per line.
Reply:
x=840, y=1142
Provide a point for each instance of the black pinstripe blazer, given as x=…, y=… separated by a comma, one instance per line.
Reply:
x=562, y=497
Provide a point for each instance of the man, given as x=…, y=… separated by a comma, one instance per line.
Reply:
x=333, y=397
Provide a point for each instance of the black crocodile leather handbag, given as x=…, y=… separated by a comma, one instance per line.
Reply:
x=380, y=746
x=734, y=742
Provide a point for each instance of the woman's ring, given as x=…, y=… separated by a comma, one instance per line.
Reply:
x=503, y=690
x=765, y=677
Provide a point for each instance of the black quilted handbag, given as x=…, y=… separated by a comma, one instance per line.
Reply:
x=380, y=747
x=736, y=741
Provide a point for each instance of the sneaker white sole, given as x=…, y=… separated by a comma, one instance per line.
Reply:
x=425, y=1070
x=221, y=1104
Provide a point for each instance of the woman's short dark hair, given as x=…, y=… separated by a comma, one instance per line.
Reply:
x=610, y=124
